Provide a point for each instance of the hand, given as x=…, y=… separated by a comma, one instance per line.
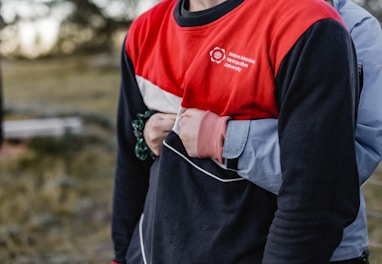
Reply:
x=203, y=133
x=189, y=126
x=156, y=129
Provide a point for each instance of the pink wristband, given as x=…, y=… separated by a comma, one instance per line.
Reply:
x=211, y=136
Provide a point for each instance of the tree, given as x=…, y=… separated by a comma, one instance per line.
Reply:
x=92, y=27
x=374, y=7
x=88, y=26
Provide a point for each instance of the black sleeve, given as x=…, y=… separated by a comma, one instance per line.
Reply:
x=132, y=174
x=316, y=90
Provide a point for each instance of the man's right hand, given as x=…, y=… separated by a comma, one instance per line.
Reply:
x=156, y=129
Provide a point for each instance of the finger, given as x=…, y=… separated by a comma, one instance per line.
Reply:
x=170, y=117
x=195, y=113
x=165, y=116
x=189, y=112
x=159, y=123
x=182, y=121
x=165, y=125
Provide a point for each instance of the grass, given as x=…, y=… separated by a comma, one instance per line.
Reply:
x=55, y=194
x=79, y=84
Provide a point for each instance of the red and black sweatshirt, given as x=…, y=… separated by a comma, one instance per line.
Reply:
x=249, y=59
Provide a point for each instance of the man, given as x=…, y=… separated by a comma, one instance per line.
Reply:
x=197, y=212
x=259, y=159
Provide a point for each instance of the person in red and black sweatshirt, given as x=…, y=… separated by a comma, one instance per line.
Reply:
x=247, y=59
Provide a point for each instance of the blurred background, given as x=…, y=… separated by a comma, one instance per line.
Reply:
x=59, y=70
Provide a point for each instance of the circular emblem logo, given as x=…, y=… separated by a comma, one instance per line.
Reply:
x=217, y=55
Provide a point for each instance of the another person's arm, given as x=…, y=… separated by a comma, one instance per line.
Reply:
x=367, y=36
x=252, y=147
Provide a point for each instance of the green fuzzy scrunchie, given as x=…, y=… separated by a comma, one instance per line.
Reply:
x=142, y=151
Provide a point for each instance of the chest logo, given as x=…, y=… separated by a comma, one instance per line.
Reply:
x=233, y=61
x=217, y=55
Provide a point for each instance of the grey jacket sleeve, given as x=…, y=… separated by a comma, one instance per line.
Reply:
x=256, y=144
x=367, y=36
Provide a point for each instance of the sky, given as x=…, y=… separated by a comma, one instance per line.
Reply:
x=39, y=36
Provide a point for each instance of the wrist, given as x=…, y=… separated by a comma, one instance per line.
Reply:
x=211, y=136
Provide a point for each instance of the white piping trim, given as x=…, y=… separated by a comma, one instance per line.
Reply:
x=201, y=169
x=141, y=240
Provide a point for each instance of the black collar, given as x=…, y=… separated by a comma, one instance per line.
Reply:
x=185, y=18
